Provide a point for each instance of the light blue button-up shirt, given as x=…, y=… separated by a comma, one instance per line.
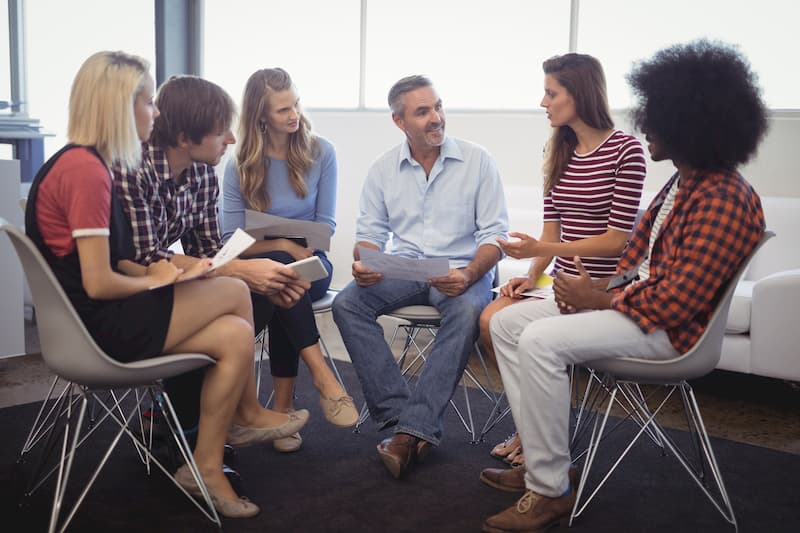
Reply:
x=460, y=207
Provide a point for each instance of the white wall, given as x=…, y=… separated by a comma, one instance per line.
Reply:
x=516, y=140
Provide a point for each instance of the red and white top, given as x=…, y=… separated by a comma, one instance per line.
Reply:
x=74, y=201
x=599, y=190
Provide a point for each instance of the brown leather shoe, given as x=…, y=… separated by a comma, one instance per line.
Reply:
x=507, y=479
x=513, y=479
x=400, y=451
x=532, y=513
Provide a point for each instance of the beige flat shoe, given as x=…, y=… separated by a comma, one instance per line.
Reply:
x=239, y=508
x=340, y=412
x=288, y=444
x=241, y=436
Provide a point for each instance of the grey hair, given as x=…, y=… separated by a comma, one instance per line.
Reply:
x=403, y=86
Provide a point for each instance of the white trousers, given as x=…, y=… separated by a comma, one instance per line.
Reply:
x=534, y=344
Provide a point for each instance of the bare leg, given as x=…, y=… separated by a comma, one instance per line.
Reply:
x=486, y=316
x=197, y=303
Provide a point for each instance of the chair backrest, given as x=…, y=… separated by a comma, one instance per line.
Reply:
x=701, y=359
x=68, y=349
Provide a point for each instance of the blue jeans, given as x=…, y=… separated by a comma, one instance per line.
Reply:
x=418, y=412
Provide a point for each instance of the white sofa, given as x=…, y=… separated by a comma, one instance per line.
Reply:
x=763, y=330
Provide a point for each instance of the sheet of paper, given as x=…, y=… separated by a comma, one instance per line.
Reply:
x=396, y=267
x=238, y=243
x=543, y=289
x=259, y=224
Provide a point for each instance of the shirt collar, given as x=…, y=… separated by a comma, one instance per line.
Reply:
x=449, y=150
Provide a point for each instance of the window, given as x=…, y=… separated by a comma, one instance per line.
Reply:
x=56, y=49
x=618, y=32
x=316, y=42
x=479, y=54
x=5, y=64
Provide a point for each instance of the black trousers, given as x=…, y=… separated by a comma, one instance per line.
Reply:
x=290, y=330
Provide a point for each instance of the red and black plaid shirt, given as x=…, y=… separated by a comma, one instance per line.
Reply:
x=162, y=212
x=715, y=223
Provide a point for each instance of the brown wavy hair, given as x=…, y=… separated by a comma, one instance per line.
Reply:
x=251, y=151
x=583, y=78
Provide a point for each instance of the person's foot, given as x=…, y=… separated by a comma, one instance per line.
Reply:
x=401, y=451
x=288, y=444
x=506, y=479
x=232, y=506
x=340, y=412
x=513, y=479
x=503, y=450
x=532, y=512
x=241, y=436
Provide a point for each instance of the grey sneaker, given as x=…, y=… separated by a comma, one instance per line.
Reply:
x=240, y=436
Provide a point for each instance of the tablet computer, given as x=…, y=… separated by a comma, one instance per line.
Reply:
x=310, y=268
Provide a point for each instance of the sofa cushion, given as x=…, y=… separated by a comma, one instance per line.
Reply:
x=739, y=314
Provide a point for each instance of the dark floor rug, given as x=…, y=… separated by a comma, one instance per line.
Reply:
x=337, y=483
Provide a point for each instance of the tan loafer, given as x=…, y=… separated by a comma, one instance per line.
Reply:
x=238, y=508
x=240, y=436
x=340, y=412
x=288, y=444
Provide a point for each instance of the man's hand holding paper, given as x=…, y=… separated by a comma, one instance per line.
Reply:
x=398, y=267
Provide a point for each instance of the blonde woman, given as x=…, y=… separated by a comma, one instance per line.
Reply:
x=283, y=168
x=75, y=220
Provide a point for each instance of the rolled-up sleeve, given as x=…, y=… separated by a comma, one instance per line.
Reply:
x=373, y=218
x=491, y=217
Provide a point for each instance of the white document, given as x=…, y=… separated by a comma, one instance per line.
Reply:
x=238, y=243
x=397, y=267
x=259, y=224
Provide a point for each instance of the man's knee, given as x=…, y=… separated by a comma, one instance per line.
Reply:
x=345, y=303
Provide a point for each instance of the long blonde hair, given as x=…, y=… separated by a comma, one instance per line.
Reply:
x=101, y=105
x=251, y=160
x=583, y=78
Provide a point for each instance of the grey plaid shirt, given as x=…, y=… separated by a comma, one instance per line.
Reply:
x=162, y=212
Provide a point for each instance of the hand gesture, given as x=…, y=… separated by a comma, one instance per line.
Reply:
x=454, y=283
x=573, y=293
x=365, y=277
x=525, y=247
x=516, y=286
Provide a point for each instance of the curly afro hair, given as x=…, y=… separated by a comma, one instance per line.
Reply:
x=703, y=102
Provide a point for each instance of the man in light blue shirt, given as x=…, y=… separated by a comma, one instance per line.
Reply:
x=437, y=197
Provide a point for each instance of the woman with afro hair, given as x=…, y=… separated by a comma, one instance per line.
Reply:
x=699, y=106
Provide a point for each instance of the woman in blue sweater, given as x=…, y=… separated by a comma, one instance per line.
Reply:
x=284, y=169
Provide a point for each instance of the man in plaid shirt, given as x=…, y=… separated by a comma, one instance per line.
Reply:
x=173, y=195
x=699, y=106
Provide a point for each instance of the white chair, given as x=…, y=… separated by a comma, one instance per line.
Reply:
x=321, y=306
x=624, y=377
x=421, y=319
x=70, y=352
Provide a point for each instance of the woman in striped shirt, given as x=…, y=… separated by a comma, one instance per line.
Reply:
x=593, y=177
